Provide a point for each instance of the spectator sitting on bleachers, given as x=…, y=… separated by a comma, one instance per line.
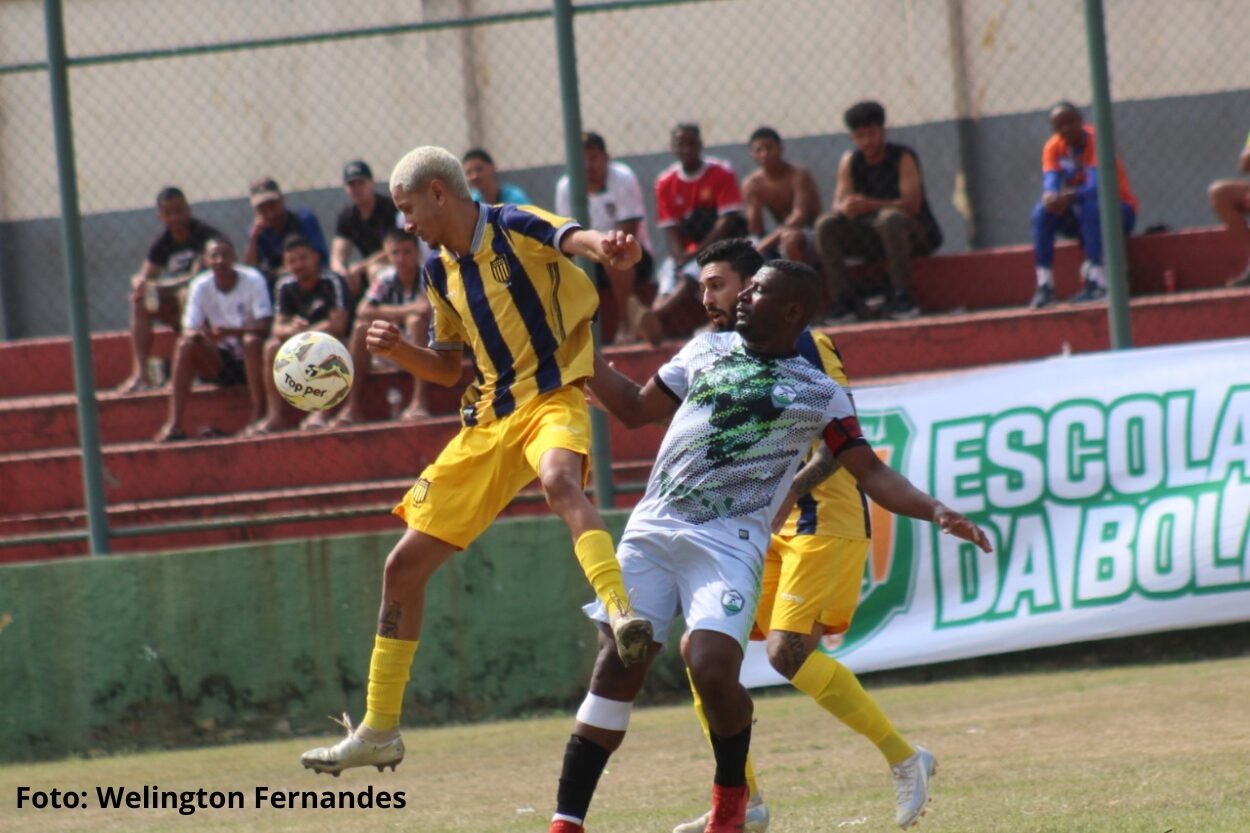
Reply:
x=272, y=224
x=788, y=192
x=879, y=212
x=484, y=184
x=177, y=253
x=697, y=202
x=615, y=199
x=396, y=296
x=227, y=318
x=1069, y=205
x=361, y=224
x=1230, y=199
x=308, y=297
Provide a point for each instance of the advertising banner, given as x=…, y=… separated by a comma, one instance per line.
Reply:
x=1115, y=488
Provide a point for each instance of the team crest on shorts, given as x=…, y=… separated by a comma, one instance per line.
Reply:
x=420, y=490
x=500, y=270
x=732, y=602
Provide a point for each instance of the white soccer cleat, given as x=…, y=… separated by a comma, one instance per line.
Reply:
x=911, y=786
x=757, y=819
x=383, y=751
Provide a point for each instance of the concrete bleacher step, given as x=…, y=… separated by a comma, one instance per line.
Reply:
x=870, y=350
x=261, y=515
x=1000, y=278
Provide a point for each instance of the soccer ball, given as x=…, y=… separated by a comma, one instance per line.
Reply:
x=313, y=371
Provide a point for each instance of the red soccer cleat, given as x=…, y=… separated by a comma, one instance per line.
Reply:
x=565, y=826
x=729, y=809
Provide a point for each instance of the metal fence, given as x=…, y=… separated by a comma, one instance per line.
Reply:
x=172, y=93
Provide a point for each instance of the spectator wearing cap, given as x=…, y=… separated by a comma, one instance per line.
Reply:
x=615, y=199
x=156, y=290
x=484, y=184
x=308, y=297
x=272, y=223
x=362, y=224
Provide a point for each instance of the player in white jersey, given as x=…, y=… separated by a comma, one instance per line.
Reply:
x=745, y=408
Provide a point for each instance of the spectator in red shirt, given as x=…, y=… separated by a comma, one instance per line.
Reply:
x=1069, y=204
x=697, y=202
x=1230, y=199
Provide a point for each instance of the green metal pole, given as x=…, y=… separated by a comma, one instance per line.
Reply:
x=566, y=51
x=1115, y=262
x=76, y=285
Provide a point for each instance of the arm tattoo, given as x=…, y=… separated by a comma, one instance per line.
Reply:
x=388, y=621
x=818, y=469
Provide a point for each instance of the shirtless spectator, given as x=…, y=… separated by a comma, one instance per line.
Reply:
x=697, y=203
x=1230, y=199
x=227, y=319
x=788, y=193
x=615, y=202
x=176, y=254
x=396, y=296
x=307, y=297
x=361, y=225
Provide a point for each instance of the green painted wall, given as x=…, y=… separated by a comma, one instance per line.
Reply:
x=125, y=652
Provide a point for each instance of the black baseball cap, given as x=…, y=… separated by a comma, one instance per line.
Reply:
x=356, y=169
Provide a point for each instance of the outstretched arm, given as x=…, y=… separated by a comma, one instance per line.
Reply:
x=633, y=404
x=612, y=248
x=892, y=491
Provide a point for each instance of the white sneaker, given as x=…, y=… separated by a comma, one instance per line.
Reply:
x=380, y=750
x=757, y=819
x=632, y=633
x=911, y=786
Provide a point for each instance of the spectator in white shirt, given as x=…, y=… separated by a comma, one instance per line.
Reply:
x=616, y=203
x=227, y=317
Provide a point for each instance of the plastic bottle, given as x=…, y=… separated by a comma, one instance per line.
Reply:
x=394, y=401
x=151, y=296
x=1169, y=280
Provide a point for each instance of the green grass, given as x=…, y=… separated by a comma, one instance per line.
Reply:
x=1139, y=749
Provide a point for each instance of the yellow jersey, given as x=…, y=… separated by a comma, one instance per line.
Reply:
x=520, y=305
x=836, y=506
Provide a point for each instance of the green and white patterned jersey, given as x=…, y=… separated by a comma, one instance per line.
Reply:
x=744, y=424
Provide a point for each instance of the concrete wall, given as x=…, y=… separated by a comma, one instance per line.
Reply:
x=965, y=81
x=127, y=652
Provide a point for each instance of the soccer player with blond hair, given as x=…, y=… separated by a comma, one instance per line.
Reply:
x=501, y=282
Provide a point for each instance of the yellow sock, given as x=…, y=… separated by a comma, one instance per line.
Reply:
x=753, y=787
x=388, y=675
x=832, y=685
x=598, y=559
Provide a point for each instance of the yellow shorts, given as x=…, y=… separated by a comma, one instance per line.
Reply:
x=809, y=579
x=483, y=467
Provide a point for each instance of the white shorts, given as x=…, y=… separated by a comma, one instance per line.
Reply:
x=715, y=587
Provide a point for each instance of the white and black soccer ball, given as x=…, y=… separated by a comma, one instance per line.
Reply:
x=313, y=371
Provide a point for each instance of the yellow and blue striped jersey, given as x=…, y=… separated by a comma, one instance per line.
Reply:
x=520, y=305
x=836, y=506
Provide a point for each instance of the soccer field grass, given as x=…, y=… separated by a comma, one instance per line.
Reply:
x=1137, y=748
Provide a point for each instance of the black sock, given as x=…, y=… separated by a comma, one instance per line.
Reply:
x=584, y=761
x=731, y=757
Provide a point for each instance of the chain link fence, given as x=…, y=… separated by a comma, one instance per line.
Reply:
x=173, y=94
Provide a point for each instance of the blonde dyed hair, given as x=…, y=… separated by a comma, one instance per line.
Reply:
x=423, y=165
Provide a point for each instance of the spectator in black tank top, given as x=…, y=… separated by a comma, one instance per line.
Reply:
x=362, y=225
x=879, y=213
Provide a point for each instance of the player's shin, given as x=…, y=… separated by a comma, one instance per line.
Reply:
x=389, y=668
x=838, y=691
x=584, y=759
x=753, y=788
